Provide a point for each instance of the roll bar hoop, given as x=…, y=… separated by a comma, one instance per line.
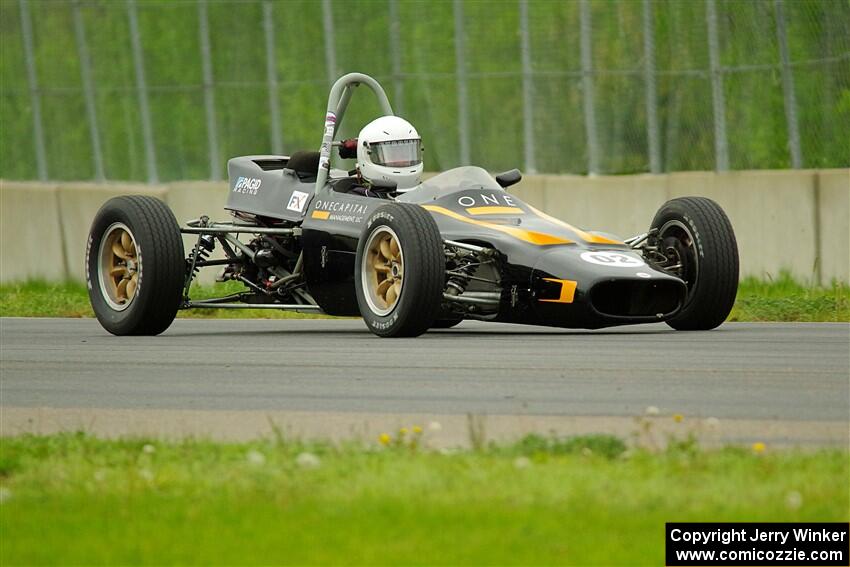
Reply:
x=338, y=99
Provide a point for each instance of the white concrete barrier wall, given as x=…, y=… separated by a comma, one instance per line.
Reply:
x=784, y=220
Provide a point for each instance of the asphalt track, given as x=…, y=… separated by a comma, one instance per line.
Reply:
x=797, y=375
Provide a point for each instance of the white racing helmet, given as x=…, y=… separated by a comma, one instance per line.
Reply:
x=389, y=148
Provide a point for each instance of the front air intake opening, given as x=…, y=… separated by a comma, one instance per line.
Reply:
x=637, y=298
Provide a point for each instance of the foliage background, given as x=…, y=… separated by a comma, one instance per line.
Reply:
x=818, y=37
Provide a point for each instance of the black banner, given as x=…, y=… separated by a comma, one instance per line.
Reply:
x=753, y=543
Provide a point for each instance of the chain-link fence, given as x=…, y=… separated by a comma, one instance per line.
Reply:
x=157, y=91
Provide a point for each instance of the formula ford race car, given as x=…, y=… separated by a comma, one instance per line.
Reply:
x=456, y=247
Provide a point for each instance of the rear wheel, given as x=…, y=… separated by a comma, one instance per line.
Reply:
x=400, y=271
x=135, y=267
x=695, y=241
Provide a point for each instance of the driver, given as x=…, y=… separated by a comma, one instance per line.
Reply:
x=389, y=151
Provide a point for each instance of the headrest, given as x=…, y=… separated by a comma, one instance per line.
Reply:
x=304, y=163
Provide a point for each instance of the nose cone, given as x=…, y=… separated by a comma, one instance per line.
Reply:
x=602, y=287
x=587, y=266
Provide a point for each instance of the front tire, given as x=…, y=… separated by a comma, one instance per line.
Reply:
x=400, y=271
x=135, y=268
x=698, y=245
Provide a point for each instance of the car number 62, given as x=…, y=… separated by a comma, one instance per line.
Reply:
x=613, y=259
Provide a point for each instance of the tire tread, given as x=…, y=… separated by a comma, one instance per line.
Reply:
x=163, y=265
x=717, y=282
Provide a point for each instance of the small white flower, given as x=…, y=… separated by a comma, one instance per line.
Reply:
x=148, y=449
x=651, y=410
x=522, y=463
x=308, y=461
x=435, y=426
x=712, y=423
x=586, y=451
x=793, y=500
x=146, y=474
x=255, y=457
x=5, y=494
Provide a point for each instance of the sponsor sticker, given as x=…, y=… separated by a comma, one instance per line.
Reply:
x=339, y=211
x=613, y=259
x=484, y=200
x=247, y=185
x=297, y=201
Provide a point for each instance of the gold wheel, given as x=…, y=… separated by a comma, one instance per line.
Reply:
x=383, y=270
x=119, y=267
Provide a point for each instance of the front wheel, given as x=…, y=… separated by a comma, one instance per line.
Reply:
x=135, y=268
x=400, y=271
x=695, y=241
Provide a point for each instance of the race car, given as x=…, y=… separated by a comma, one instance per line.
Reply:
x=453, y=247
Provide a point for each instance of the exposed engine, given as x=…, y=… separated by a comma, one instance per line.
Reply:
x=269, y=265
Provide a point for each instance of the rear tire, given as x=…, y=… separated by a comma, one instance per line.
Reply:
x=695, y=234
x=400, y=271
x=135, y=268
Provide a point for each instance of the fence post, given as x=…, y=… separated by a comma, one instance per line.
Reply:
x=142, y=92
x=35, y=93
x=209, y=93
x=721, y=150
x=460, y=71
x=88, y=89
x=586, y=33
x=527, y=89
x=395, y=54
x=649, y=79
x=271, y=76
x=330, y=50
x=788, y=92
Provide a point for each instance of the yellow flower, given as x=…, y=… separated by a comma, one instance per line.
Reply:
x=678, y=418
x=402, y=431
x=417, y=429
x=759, y=447
x=384, y=439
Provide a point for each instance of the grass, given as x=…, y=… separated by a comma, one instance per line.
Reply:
x=782, y=299
x=785, y=299
x=72, y=498
x=71, y=299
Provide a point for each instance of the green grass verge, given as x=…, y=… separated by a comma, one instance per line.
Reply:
x=76, y=499
x=71, y=299
x=782, y=299
x=785, y=299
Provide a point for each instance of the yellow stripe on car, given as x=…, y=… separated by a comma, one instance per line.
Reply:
x=538, y=238
x=322, y=215
x=586, y=236
x=495, y=211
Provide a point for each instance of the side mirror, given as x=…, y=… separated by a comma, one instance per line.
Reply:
x=384, y=185
x=508, y=178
